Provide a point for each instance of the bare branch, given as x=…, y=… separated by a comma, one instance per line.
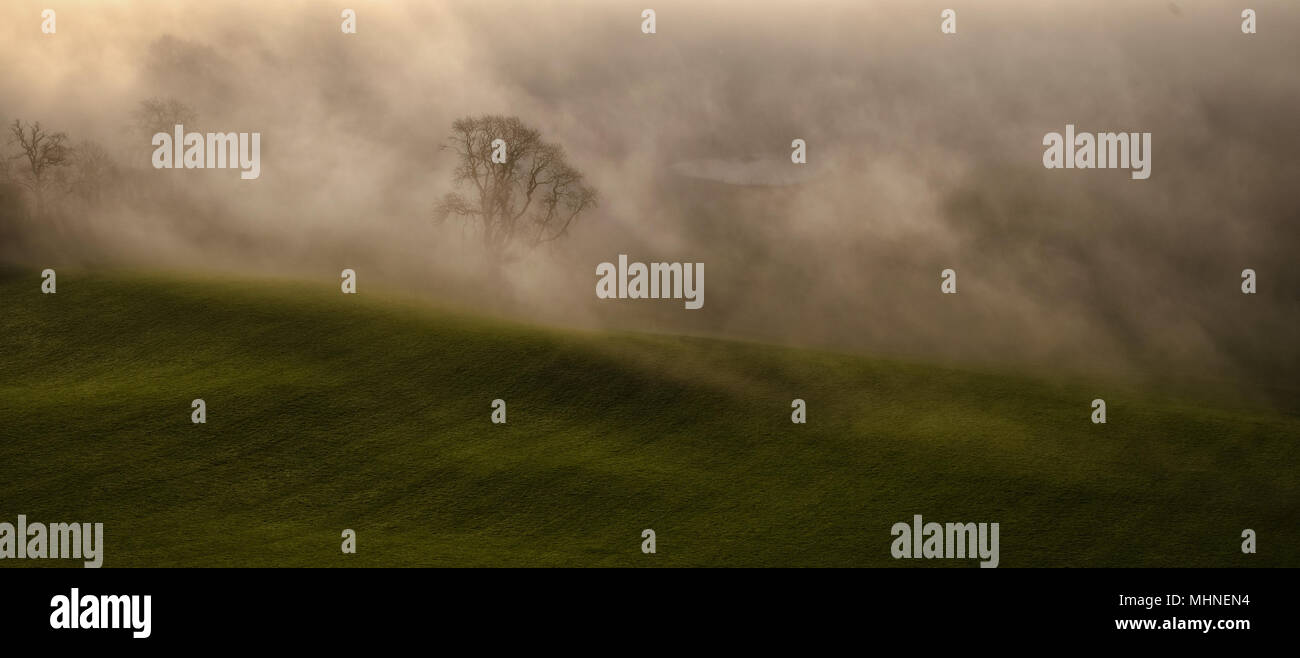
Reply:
x=534, y=187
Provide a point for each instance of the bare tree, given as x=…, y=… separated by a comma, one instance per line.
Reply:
x=161, y=115
x=532, y=197
x=44, y=152
x=93, y=172
x=153, y=116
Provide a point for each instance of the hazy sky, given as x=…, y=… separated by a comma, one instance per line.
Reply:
x=924, y=153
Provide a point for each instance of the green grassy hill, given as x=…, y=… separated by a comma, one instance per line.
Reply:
x=330, y=411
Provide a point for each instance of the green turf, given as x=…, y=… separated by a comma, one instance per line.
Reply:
x=330, y=411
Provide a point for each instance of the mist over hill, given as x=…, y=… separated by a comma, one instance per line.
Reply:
x=924, y=153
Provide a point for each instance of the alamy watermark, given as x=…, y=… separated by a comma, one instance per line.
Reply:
x=1100, y=151
x=946, y=541
x=654, y=281
x=74, y=611
x=182, y=150
x=79, y=541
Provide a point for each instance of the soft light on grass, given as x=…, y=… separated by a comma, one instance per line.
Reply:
x=328, y=411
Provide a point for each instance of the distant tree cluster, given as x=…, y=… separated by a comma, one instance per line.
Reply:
x=45, y=177
x=516, y=190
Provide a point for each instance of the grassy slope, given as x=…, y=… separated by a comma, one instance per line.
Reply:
x=328, y=411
